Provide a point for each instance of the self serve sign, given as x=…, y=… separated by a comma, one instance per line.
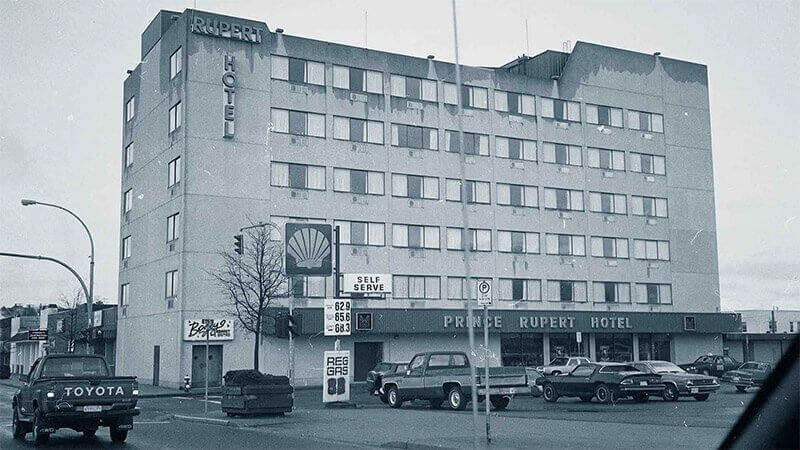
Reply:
x=367, y=283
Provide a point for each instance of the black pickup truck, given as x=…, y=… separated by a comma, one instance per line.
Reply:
x=73, y=391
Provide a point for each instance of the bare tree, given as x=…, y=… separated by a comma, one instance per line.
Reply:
x=72, y=326
x=251, y=281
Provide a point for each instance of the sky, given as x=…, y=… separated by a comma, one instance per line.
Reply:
x=63, y=65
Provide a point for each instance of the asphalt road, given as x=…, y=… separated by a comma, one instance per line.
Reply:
x=569, y=423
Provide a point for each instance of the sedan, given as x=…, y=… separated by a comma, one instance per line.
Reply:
x=749, y=374
x=375, y=376
x=608, y=382
x=678, y=382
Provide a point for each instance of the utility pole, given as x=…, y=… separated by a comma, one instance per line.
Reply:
x=207, y=323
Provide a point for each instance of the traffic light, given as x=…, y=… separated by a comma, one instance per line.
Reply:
x=238, y=244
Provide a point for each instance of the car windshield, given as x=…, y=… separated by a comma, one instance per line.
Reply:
x=74, y=367
x=559, y=362
x=666, y=367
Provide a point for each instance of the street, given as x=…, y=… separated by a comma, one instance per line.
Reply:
x=170, y=423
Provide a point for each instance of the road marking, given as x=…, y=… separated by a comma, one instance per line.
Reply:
x=151, y=422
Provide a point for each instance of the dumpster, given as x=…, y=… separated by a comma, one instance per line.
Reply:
x=248, y=392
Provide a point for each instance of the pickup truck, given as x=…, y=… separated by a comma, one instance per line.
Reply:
x=441, y=377
x=73, y=391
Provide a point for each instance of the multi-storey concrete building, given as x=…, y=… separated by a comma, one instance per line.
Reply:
x=590, y=196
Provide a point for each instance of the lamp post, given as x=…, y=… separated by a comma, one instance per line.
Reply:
x=90, y=295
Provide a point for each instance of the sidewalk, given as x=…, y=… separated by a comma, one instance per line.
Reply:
x=145, y=390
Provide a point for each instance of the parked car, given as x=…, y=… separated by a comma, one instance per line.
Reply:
x=749, y=374
x=678, y=382
x=73, y=391
x=562, y=364
x=711, y=365
x=375, y=376
x=608, y=382
x=440, y=377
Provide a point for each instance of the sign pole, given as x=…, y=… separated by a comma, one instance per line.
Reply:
x=291, y=338
x=208, y=335
x=486, y=363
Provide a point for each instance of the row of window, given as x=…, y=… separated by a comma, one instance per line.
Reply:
x=369, y=81
x=508, y=289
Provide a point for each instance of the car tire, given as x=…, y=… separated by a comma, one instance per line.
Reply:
x=500, y=402
x=549, y=393
x=741, y=389
x=88, y=434
x=118, y=436
x=586, y=398
x=604, y=394
x=670, y=393
x=701, y=397
x=436, y=403
x=640, y=397
x=455, y=399
x=384, y=398
x=393, y=397
x=18, y=428
x=38, y=437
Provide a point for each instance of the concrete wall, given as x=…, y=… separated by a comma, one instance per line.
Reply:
x=687, y=347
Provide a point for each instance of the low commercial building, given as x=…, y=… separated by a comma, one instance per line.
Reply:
x=766, y=334
x=68, y=331
x=590, y=195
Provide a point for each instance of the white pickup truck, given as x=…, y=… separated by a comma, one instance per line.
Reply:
x=562, y=364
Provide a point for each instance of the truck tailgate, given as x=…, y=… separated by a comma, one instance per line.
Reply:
x=93, y=391
x=504, y=376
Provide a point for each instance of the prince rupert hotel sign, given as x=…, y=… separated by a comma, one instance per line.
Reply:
x=541, y=322
x=236, y=31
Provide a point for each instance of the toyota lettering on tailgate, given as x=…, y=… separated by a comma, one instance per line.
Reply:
x=94, y=390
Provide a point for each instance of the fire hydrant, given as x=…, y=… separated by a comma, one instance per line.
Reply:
x=187, y=383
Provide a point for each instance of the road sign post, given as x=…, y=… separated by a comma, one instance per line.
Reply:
x=485, y=299
x=207, y=324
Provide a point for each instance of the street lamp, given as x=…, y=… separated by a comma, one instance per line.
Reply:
x=90, y=296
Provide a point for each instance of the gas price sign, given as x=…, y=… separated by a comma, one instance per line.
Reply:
x=338, y=317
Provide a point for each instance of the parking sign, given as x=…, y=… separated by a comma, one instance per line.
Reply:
x=484, y=293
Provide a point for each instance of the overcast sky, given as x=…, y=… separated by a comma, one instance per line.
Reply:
x=62, y=65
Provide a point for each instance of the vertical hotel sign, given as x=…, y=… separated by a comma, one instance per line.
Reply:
x=229, y=90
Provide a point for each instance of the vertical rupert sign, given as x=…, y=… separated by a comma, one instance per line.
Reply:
x=229, y=96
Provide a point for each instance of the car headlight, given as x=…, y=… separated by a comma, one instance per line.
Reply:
x=135, y=392
x=689, y=382
x=628, y=381
x=51, y=395
x=714, y=381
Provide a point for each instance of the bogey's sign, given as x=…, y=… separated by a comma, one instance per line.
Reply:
x=195, y=330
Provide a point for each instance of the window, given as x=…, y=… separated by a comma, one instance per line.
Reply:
x=308, y=287
x=173, y=225
x=650, y=164
x=358, y=181
x=604, y=115
x=606, y=159
x=517, y=195
x=414, y=137
x=174, y=172
x=582, y=371
x=171, y=284
x=125, y=294
x=638, y=120
x=649, y=206
x=415, y=186
x=614, y=347
x=471, y=97
x=298, y=176
x=298, y=70
x=561, y=110
x=519, y=289
x=357, y=80
x=298, y=123
x=126, y=247
x=280, y=222
x=415, y=236
x=563, y=199
x=521, y=349
x=514, y=103
x=517, y=242
x=608, y=203
x=474, y=144
x=477, y=191
x=129, y=155
x=654, y=294
x=175, y=119
x=372, y=234
x=566, y=155
x=612, y=292
x=566, y=291
x=413, y=88
x=358, y=130
x=518, y=149
x=407, y=286
x=609, y=247
x=457, y=287
x=651, y=249
x=566, y=245
x=127, y=201
x=439, y=361
x=175, y=63
x=481, y=239
x=130, y=109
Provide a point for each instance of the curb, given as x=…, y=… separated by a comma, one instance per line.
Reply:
x=178, y=394
x=412, y=446
x=206, y=420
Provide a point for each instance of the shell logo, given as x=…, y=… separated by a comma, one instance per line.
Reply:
x=309, y=247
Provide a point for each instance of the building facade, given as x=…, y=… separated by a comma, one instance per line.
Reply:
x=590, y=194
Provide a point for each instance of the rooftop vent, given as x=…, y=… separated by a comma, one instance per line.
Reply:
x=279, y=30
x=657, y=54
x=431, y=57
